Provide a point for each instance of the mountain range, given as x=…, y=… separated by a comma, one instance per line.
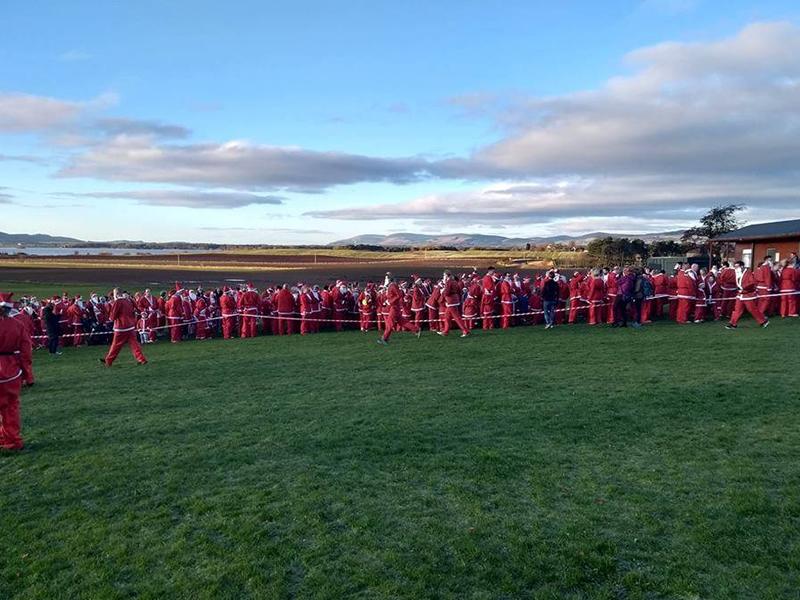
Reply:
x=469, y=240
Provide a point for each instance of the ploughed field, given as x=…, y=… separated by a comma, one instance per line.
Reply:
x=577, y=462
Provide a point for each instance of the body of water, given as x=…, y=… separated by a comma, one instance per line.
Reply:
x=56, y=251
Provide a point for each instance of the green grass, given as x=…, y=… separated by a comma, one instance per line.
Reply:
x=577, y=463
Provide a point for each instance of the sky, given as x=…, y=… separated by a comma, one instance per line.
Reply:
x=309, y=122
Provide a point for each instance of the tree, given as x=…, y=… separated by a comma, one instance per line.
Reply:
x=667, y=248
x=719, y=220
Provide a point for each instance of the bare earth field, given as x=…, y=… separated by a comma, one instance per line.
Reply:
x=273, y=267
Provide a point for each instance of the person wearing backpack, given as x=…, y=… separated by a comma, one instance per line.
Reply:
x=648, y=291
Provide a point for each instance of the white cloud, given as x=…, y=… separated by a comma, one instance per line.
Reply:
x=235, y=164
x=20, y=113
x=183, y=198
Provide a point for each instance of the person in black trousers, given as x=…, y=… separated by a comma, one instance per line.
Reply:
x=53, y=329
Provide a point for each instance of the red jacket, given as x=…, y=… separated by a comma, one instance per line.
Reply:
x=687, y=285
x=15, y=351
x=227, y=305
x=597, y=289
x=764, y=280
x=123, y=313
x=284, y=302
x=747, y=285
x=452, y=293
x=788, y=279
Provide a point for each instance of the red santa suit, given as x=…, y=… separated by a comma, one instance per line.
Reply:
x=285, y=305
x=432, y=303
x=227, y=305
x=248, y=305
x=507, y=303
x=451, y=293
x=727, y=285
x=305, y=301
x=123, y=313
x=747, y=300
x=394, y=316
x=575, y=296
x=472, y=303
x=418, y=303
x=366, y=308
x=788, y=291
x=611, y=293
x=16, y=369
x=661, y=291
x=765, y=286
x=75, y=315
x=201, y=309
x=175, y=317
x=701, y=304
x=687, y=295
x=488, y=299
x=596, y=296
x=147, y=310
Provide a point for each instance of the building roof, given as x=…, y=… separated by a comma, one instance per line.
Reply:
x=777, y=229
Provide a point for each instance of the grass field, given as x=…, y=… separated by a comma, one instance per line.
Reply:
x=574, y=463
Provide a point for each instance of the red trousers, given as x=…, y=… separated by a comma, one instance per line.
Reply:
x=248, y=325
x=452, y=312
x=487, y=312
x=612, y=298
x=395, y=319
x=366, y=318
x=574, y=306
x=728, y=302
x=77, y=332
x=508, y=311
x=685, y=310
x=228, y=326
x=202, y=330
x=120, y=339
x=175, y=328
x=284, y=326
x=596, y=312
x=764, y=302
x=789, y=304
x=9, y=415
x=750, y=306
x=433, y=319
x=419, y=315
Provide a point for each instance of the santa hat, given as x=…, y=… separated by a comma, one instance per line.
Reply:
x=5, y=299
x=178, y=286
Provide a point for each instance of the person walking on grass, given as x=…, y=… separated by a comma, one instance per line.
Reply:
x=394, y=316
x=123, y=313
x=16, y=370
x=550, y=296
x=747, y=300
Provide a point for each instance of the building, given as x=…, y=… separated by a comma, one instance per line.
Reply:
x=752, y=243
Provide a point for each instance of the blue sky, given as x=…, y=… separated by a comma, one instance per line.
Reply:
x=307, y=122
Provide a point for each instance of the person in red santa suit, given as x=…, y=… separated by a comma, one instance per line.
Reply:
x=727, y=284
x=175, y=316
x=472, y=301
x=76, y=314
x=747, y=300
x=575, y=296
x=687, y=282
x=451, y=292
x=765, y=284
x=366, y=306
x=596, y=295
x=788, y=281
x=316, y=309
x=248, y=305
x=506, y=301
x=418, y=297
x=488, y=298
x=432, y=304
x=714, y=296
x=701, y=303
x=611, y=293
x=284, y=304
x=16, y=370
x=123, y=314
x=305, y=302
x=227, y=305
x=148, y=309
x=201, y=310
x=394, y=316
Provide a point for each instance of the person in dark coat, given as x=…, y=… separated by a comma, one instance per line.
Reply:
x=53, y=329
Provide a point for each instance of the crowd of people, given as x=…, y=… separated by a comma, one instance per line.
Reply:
x=616, y=296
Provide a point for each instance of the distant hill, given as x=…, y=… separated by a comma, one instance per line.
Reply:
x=38, y=239
x=467, y=240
